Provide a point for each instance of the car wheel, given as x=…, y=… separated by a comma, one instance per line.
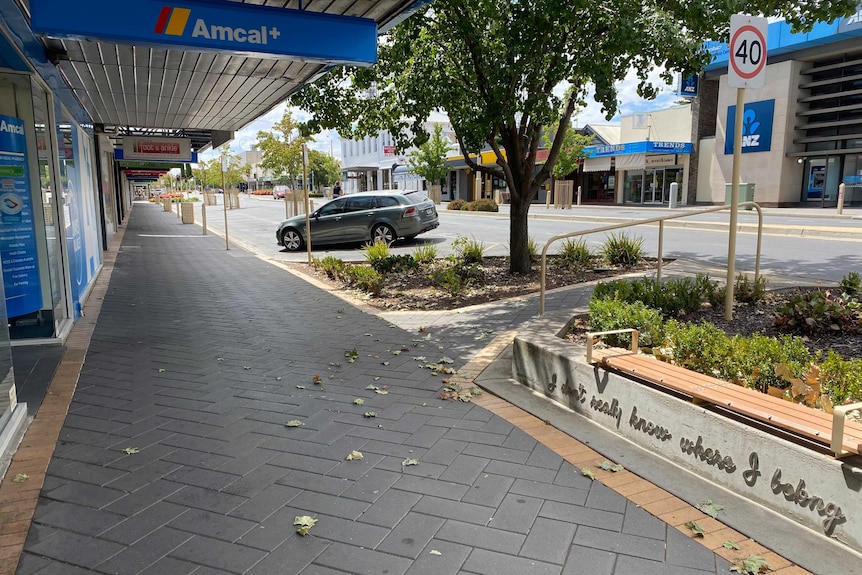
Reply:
x=383, y=233
x=291, y=240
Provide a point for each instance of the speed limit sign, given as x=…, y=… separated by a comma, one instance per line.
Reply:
x=747, y=68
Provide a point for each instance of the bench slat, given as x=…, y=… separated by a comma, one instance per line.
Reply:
x=807, y=422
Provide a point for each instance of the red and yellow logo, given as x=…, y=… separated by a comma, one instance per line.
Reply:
x=172, y=21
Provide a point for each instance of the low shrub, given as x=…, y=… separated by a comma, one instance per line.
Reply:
x=376, y=251
x=425, y=254
x=622, y=249
x=606, y=315
x=448, y=278
x=395, y=263
x=673, y=297
x=483, y=205
x=841, y=379
x=700, y=347
x=333, y=267
x=575, y=253
x=851, y=285
x=456, y=205
x=468, y=250
x=820, y=310
x=364, y=278
x=533, y=247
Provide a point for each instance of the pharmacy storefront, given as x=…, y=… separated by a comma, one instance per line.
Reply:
x=649, y=172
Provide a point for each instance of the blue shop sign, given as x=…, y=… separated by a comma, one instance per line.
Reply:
x=756, y=127
x=646, y=147
x=688, y=85
x=17, y=229
x=216, y=25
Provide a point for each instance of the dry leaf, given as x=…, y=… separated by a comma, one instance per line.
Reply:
x=21, y=478
x=131, y=450
x=407, y=462
x=303, y=524
x=294, y=423
x=354, y=455
x=434, y=552
x=359, y=401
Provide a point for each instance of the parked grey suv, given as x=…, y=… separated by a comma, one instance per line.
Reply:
x=364, y=217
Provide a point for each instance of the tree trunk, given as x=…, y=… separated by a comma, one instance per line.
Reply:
x=519, y=254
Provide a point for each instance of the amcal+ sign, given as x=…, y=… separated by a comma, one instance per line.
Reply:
x=173, y=21
x=233, y=28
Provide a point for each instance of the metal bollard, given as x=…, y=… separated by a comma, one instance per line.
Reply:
x=204, y=217
x=841, y=187
x=579, y=195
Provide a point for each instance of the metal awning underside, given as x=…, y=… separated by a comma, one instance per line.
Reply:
x=126, y=87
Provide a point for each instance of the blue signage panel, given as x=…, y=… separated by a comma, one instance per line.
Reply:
x=756, y=127
x=688, y=85
x=645, y=147
x=17, y=230
x=216, y=25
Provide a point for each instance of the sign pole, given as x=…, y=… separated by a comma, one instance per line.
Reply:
x=734, y=205
x=305, y=192
x=746, y=69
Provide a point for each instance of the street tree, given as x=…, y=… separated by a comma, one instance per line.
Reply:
x=429, y=160
x=282, y=149
x=571, y=151
x=492, y=66
x=324, y=170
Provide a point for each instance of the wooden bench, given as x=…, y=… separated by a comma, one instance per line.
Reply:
x=833, y=431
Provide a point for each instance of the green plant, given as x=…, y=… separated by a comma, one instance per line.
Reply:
x=533, y=247
x=425, y=254
x=622, y=249
x=851, y=285
x=751, y=361
x=468, y=250
x=483, y=205
x=448, y=278
x=333, y=267
x=575, y=253
x=374, y=252
x=673, y=297
x=699, y=347
x=365, y=278
x=820, y=310
x=606, y=315
x=749, y=291
x=456, y=204
x=841, y=379
x=395, y=263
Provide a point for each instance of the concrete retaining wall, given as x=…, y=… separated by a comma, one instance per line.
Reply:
x=813, y=489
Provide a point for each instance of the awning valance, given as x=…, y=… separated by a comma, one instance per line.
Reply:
x=631, y=162
x=602, y=164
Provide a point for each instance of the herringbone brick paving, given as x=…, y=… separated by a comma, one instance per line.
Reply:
x=174, y=456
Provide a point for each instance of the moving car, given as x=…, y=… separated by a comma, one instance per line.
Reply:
x=384, y=215
x=278, y=192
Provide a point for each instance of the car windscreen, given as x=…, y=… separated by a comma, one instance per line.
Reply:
x=415, y=196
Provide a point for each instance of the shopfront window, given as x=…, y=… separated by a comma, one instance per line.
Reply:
x=633, y=186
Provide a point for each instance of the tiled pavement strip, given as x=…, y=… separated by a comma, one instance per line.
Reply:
x=195, y=363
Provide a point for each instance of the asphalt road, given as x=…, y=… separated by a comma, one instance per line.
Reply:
x=819, y=259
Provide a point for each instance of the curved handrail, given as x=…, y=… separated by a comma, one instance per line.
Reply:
x=660, y=221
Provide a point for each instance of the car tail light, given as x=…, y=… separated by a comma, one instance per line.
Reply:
x=409, y=212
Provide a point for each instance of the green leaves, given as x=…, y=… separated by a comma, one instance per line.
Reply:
x=131, y=450
x=294, y=423
x=587, y=472
x=696, y=529
x=354, y=455
x=351, y=355
x=608, y=466
x=730, y=545
x=409, y=462
x=359, y=401
x=21, y=478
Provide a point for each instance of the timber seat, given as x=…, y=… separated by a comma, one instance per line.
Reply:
x=831, y=431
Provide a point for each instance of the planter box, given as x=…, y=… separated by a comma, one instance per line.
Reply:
x=811, y=488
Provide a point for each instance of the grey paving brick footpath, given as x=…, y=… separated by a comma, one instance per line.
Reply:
x=175, y=457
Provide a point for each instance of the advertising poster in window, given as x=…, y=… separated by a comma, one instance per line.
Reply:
x=17, y=231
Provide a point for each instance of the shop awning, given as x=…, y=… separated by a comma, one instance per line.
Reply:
x=602, y=164
x=631, y=162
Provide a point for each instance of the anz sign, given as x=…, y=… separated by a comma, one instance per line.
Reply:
x=756, y=127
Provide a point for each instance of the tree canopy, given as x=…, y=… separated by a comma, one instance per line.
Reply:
x=492, y=66
x=324, y=170
x=282, y=148
x=429, y=160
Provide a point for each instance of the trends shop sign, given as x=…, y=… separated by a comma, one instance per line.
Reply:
x=756, y=127
x=220, y=26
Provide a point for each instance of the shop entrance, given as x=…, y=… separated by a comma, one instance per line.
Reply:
x=651, y=186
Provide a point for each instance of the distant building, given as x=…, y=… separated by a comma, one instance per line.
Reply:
x=257, y=177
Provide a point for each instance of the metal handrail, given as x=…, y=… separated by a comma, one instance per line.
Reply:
x=660, y=220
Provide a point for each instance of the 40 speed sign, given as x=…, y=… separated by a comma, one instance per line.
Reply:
x=747, y=67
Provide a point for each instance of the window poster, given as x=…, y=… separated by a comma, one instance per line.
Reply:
x=17, y=230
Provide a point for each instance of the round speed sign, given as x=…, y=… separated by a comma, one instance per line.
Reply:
x=747, y=51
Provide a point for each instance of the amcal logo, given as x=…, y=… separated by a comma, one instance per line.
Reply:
x=11, y=128
x=173, y=22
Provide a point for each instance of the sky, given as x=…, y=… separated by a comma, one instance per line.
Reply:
x=630, y=102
